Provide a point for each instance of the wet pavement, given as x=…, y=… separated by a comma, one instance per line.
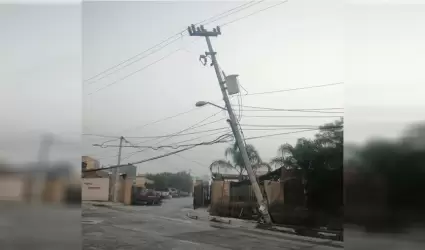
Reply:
x=167, y=227
x=38, y=227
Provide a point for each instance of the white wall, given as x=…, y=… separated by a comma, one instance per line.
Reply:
x=95, y=189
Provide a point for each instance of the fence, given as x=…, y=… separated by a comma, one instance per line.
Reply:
x=201, y=195
x=286, y=195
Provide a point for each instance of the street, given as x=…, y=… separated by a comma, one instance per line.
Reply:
x=167, y=227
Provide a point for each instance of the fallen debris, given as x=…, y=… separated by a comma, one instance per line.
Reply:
x=194, y=217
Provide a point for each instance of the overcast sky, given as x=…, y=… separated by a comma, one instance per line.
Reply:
x=374, y=49
x=270, y=51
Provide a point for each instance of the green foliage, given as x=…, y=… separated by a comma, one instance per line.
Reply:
x=324, y=151
x=321, y=162
x=162, y=181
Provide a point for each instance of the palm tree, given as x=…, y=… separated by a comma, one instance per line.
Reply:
x=285, y=157
x=236, y=160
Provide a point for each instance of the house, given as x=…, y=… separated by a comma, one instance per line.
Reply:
x=130, y=171
x=91, y=163
x=141, y=180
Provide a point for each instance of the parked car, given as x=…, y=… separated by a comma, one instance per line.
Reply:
x=173, y=192
x=183, y=194
x=147, y=197
x=165, y=195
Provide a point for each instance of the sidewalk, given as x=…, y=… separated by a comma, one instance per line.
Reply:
x=202, y=214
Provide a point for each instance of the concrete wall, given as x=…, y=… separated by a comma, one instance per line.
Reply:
x=95, y=189
x=124, y=191
x=274, y=191
x=220, y=192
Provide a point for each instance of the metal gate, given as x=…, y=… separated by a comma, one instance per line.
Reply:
x=201, y=195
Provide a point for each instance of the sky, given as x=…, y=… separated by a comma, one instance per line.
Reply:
x=269, y=51
x=295, y=44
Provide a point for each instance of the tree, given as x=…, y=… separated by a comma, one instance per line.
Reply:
x=321, y=162
x=237, y=163
x=325, y=150
x=162, y=181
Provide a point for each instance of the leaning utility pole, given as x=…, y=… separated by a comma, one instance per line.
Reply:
x=201, y=31
x=116, y=172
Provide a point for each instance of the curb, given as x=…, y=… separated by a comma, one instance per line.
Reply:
x=286, y=235
x=278, y=231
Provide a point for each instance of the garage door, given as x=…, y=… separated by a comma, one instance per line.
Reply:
x=95, y=189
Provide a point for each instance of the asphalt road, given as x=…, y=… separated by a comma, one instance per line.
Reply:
x=167, y=227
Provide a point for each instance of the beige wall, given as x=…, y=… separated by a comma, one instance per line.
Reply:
x=11, y=188
x=95, y=189
x=54, y=191
x=124, y=191
x=220, y=192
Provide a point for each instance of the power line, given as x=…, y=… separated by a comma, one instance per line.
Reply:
x=162, y=119
x=146, y=160
x=137, y=60
x=184, y=134
x=217, y=140
x=292, y=132
x=267, y=108
x=174, y=146
x=199, y=137
x=178, y=35
x=205, y=124
x=259, y=93
x=313, y=110
x=133, y=57
x=134, y=72
x=170, y=117
x=303, y=111
x=196, y=162
x=172, y=135
x=293, y=89
x=291, y=116
x=256, y=12
x=193, y=109
x=249, y=5
x=278, y=126
x=181, y=34
x=178, y=144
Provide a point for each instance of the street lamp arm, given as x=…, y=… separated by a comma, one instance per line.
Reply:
x=202, y=103
x=215, y=105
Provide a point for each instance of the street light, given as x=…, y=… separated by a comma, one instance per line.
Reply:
x=203, y=103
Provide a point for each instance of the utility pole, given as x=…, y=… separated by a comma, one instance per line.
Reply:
x=201, y=31
x=116, y=172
